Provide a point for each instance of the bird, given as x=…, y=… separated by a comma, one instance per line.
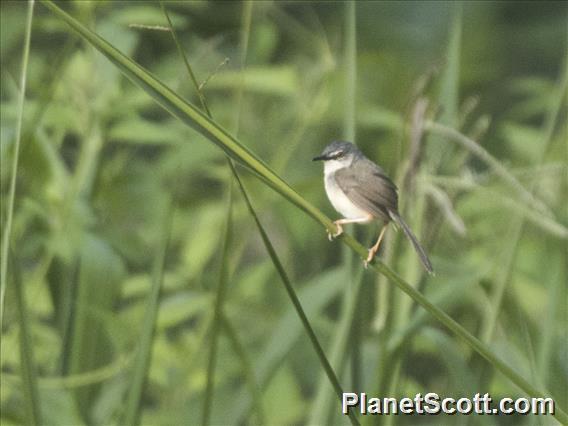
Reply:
x=362, y=192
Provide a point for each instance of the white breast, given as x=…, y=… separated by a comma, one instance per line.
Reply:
x=340, y=201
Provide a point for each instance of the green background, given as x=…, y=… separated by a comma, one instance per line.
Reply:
x=106, y=178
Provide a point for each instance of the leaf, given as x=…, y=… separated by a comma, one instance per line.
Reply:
x=278, y=81
x=137, y=131
x=315, y=295
x=98, y=286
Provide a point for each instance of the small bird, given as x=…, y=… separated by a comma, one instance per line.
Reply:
x=362, y=192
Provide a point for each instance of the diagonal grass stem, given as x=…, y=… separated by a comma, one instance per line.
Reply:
x=220, y=137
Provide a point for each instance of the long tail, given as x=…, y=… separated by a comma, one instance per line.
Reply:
x=419, y=250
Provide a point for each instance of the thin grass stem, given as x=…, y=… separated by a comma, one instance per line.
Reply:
x=27, y=358
x=218, y=310
x=240, y=350
x=500, y=170
x=7, y=229
x=133, y=407
x=298, y=306
x=346, y=340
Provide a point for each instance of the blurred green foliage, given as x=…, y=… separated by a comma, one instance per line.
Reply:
x=100, y=162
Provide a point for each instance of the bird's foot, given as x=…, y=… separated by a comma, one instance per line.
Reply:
x=331, y=236
x=370, y=257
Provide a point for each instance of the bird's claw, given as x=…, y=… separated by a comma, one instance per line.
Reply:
x=331, y=235
x=369, y=258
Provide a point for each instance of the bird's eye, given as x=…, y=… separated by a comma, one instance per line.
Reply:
x=337, y=155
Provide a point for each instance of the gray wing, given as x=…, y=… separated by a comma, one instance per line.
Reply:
x=369, y=189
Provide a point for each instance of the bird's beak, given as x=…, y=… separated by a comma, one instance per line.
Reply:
x=320, y=158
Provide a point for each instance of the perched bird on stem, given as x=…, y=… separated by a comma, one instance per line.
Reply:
x=362, y=192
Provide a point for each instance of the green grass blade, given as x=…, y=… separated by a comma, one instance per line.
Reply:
x=98, y=375
x=27, y=363
x=349, y=111
x=448, y=95
x=185, y=60
x=341, y=341
x=240, y=350
x=556, y=299
x=243, y=45
x=133, y=406
x=349, y=131
x=349, y=117
x=7, y=229
x=218, y=312
x=348, y=330
x=193, y=117
x=89, y=347
x=449, y=91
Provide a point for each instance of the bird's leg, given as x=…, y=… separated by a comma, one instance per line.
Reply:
x=373, y=250
x=338, y=224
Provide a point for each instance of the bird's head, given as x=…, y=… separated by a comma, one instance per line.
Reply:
x=337, y=155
